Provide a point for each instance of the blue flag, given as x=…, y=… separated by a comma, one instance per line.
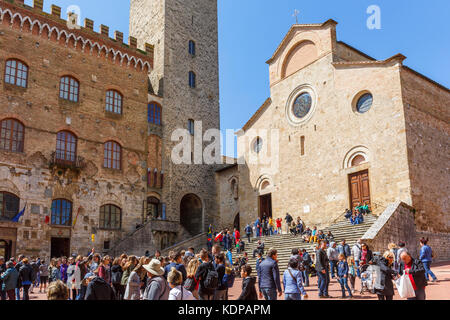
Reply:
x=20, y=214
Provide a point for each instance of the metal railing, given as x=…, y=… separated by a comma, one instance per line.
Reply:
x=76, y=163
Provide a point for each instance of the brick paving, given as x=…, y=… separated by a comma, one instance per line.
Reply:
x=435, y=291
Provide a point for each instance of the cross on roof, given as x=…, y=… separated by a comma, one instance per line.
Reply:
x=296, y=13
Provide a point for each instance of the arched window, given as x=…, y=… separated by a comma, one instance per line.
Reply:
x=154, y=113
x=114, y=101
x=258, y=145
x=359, y=159
x=113, y=156
x=11, y=135
x=191, y=126
x=66, y=147
x=69, y=88
x=153, y=207
x=110, y=217
x=9, y=205
x=16, y=73
x=62, y=212
x=192, y=79
x=191, y=47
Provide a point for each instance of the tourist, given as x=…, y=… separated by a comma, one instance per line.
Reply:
x=269, y=277
x=221, y=291
x=208, y=277
x=271, y=226
x=98, y=289
x=192, y=283
x=296, y=255
x=248, y=232
x=63, y=269
x=177, y=263
x=248, y=285
x=392, y=247
x=237, y=236
x=57, y=290
x=132, y=262
x=313, y=238
x=401, y=248
x=322, y=268
x=259, y=259
x=385, y=288
x=321, y=236
x=307, y=234
x=288, y=219
x=426, y=256
x=10, y=279
x=2, y=270
x=96, y=259
x=241, y=246
x=177, y=292
x=333, y=257
x=265, y=226
x=293, y=228
x=307, y=262
x=329, y=237
x=157, y=287
x=415, y=269
x=348, y=213
x=26, y=277
x=278, y=222
x=132, y=290
x=366, y=255
x=116, y=278
x=230, y=256
x=43, y=274
x=352, y=272
x=259, y=249
x=104, y=269
x=73, y=278
x=83, y=265
x=344, y=249
x=257, y=226
x=356, y=253
x=35, y=266
x=18, y=265
x=293, y=282
x=342, y=273
x=55, y=273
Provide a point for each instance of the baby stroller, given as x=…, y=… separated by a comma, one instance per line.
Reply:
x=368, y=277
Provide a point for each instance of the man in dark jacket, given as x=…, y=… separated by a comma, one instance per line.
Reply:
x=99, y=289
x=221, y=291
x=259, y=249
x=201, y=275
x=344, y=249
x=384, y=287
x=322, y=267
x=27, y=276
x=18, y=265
x=248, y=285
x=416, y=271
x=269, y=277
x=177, y=263
x=307, y=262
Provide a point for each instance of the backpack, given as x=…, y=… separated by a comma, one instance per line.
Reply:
x=211, y=280
x=190, y=284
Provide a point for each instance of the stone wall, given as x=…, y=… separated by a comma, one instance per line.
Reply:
x=397, y=223
x=427, y=116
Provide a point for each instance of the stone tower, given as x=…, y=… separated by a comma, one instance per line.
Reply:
x=189, y=191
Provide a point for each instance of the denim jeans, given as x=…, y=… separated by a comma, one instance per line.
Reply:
x=269, y=294
x=358, y=271
x=292, y=296
x=17, y=293
x=322, y=282
x=344, y=285
x=333, y=267
x=2, y=294
x=306, y=278
x=428, y=272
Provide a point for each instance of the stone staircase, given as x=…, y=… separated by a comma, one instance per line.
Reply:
x=285, y=243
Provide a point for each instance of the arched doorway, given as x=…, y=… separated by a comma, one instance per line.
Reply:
x=191, y=214
x=237, y=222
x=5, y=249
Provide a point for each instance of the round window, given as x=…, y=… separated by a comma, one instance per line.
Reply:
x=364, y=103
x=302, y=105
x=257, y=146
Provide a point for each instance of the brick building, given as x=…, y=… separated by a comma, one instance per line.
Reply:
x=86, y=122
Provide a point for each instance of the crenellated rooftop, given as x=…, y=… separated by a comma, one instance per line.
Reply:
x=34, y=20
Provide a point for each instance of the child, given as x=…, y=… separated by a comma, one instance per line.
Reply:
x=248, y=285
x=175, y=279
x=313, y=235
x=343, y=275
x=351, y=272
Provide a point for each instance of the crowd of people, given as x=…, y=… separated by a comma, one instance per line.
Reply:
x=357, y=215
x=209, y=274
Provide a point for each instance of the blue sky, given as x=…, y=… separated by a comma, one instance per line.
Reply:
x=251, y=30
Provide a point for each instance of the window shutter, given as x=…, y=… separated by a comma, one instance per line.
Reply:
x=163, y=206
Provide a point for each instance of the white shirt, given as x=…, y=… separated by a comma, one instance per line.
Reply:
x=175, y=294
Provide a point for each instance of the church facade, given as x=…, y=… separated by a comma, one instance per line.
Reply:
x=341, y=129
